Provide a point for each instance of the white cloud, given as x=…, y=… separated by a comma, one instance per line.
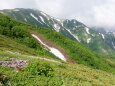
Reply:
x=104, y=14
x=91, y=12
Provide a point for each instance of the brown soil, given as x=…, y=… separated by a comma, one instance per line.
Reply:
x=49, y=43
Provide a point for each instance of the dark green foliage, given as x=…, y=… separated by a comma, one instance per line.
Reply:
x=4, y=79
x=19, y=32
x=41, y=69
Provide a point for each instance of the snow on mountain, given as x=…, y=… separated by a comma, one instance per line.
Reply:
x=76, y=37
x=71, y=28
x=88, y=40
x=87, y=30
x=56, y=27
x=45, y=15
x=103, y=36
x=60, y=21
x=113, y=45
x=25, y=19
x=42, y=19
x=53, y=50
x=31, y=14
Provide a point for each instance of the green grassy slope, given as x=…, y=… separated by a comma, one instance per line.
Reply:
x=100, y=42
x=77, y=51
x=20, y=32
x=9, y=44
x=43, y=73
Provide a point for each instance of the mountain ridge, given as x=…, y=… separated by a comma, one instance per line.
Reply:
x=101, y=43
x=17, y=68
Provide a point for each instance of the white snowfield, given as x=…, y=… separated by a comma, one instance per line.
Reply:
x=45, y=15
x=35, y=17
x=75, y=36
x=53, y=50
x=42, y=19
x=56, y=27
x=113, y=45
x=88, y=40
x=87, y=30
x=103, y=36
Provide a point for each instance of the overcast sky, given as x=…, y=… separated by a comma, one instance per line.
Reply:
x=100, y=13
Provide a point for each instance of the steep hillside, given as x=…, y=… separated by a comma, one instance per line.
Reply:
x=9, y=45
x=25, y=56
x=44, y=73
x=77, y=53
x=99, y=42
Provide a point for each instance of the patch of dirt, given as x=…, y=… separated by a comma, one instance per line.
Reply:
x=50, y=44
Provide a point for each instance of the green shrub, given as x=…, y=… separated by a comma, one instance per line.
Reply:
x=41, y=69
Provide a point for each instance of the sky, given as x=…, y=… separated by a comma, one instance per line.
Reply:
x=93, y=13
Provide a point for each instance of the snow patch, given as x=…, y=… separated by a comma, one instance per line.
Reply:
x=62, y=22
x=35, y=17
x=58, y=20
x=88, y=40
x=45, y=15
x=56, y=27
x=74, y=22
x=113, y=45
x=76, y=37
x=114, y=34
x=87, y=30
x=42, y=19
x=76, y=26
x=25, y=19
x=53, y=21
x=53, y=50
x=103, y=36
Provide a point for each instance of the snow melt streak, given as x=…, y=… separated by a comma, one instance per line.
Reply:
x=55, y=51
x=35, y=17
x=87, y=30
x=73, y=35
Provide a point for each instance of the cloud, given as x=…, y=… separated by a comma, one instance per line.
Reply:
x=98, y=13
x=10, y=4
x=104, y=14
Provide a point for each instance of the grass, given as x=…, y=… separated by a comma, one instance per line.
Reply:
x=9, y=44
x=64, y=74
x=43, y=73
x=20, y=32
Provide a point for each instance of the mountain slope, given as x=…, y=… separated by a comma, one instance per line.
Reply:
x=101, y=43
x=53, y=74
x=21, y=33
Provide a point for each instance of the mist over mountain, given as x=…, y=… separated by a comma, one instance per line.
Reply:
x=98, y=13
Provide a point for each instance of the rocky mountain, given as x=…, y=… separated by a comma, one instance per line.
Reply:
x=100, y=42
